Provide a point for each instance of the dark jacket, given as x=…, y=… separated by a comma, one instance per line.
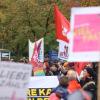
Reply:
x=62, y=91
x=89, y=85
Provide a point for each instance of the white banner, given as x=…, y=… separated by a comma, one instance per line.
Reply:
x=63, y=50
x=40, y=46
x=39, y=88
x=14, y=79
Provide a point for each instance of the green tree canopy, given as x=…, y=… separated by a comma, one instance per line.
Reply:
x=21, y=20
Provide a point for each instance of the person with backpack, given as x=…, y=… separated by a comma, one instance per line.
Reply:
x=60, y=92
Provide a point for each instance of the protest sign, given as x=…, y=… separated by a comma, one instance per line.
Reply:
x=63, y=50
x=85, y=34
x=14, y=78
x=39, y=88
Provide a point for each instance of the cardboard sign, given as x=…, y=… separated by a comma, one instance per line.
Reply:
x=14, y=78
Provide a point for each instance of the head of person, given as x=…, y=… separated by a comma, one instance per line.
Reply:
x=89, y=64
x=66, y=66
x=89, y=72
x=63, y=81
x=71, y=74
x=54, y=68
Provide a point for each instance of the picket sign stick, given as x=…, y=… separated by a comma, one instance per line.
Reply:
x=98, y=89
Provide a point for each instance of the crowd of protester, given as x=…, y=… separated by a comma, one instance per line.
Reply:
x=77, y=80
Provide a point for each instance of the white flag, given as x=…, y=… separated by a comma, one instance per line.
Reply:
x=40, y=49
x=63, y=50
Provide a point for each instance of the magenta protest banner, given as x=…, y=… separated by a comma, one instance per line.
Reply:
x=85, y=34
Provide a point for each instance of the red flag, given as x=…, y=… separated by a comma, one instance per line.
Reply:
x=34, y=59
x=62, y=25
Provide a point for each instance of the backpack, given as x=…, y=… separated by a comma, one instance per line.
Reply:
x=61, y=92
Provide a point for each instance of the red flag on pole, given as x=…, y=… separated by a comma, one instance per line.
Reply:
x=37, y=65
x=62, y=25
x=34, y=59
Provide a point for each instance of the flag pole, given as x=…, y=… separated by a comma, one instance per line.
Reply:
x=98, y=89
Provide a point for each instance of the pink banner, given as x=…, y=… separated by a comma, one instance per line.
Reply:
x=86, y=33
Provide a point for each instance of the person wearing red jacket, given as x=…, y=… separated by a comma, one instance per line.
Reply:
x=74, y=88
x=73, y=84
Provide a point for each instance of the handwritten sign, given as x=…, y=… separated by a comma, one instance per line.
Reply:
x=14, y=78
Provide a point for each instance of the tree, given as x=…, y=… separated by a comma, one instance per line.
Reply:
x=21, y=20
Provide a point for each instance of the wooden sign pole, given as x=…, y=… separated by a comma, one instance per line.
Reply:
x=98, y=89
